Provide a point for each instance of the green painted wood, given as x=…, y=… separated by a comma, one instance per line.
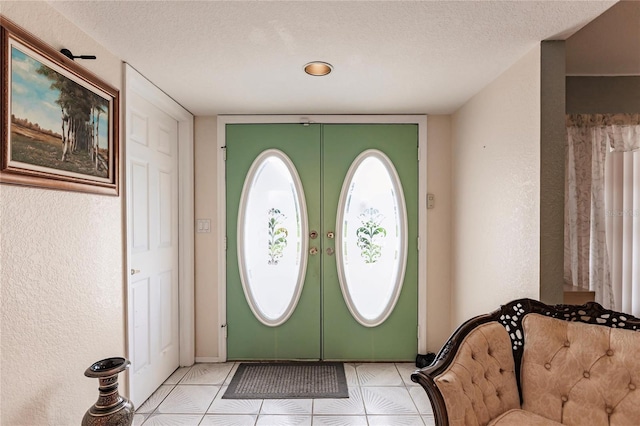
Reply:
x=299, y=337
x=321, y=326
x=343, y=337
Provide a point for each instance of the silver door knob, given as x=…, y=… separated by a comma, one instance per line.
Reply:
x=331, y=235
x=135, y=271
x=313, y=251
x=330, y=251
x=313, y=235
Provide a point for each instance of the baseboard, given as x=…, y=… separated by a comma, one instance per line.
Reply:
x=208, y=359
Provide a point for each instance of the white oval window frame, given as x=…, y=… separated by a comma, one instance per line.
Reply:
x=302, y=205
x=400, y=200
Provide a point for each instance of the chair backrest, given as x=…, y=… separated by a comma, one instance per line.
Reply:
x=512, y=314
x=578, y=374
x=480, y=384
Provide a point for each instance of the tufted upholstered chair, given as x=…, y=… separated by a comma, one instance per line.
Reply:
x=533, y=364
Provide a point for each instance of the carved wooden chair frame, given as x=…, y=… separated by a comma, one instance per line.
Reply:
x=510, y=316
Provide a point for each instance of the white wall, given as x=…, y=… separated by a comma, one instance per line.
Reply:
x=496, y=193
x=608, y=45
x=439, y=231
x=206, y=192
x=61, y=271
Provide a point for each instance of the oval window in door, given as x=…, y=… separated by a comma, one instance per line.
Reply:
x=272, y=223
x=371, y=244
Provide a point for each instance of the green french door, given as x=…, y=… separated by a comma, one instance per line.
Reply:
x=322, y=241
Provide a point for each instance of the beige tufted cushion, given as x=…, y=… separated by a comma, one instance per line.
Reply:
x=480, y=383
x=521, y=417
x=580, y=374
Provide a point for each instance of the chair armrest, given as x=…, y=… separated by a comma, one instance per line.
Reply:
x=438, y=405
x=476, y=382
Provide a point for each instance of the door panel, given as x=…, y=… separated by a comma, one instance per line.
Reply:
x=139, y=206
x=140, y=302
x=343, y=337
x=321, y=326
x=299, y=337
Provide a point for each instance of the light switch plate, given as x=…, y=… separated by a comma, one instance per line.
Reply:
x=431, y=201
x=203, y=225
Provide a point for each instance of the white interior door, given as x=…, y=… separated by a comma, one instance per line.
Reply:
x=153, y=252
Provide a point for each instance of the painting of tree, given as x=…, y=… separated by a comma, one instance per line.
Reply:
x=62, y=120
x=76, y=139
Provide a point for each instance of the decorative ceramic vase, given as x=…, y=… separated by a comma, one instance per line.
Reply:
x=111, y=409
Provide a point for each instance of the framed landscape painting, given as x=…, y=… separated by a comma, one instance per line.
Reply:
x=59, y=121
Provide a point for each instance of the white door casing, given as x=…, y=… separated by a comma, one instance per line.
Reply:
x=159, y=259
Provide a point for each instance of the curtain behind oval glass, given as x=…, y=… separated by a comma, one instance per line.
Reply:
x=272, y=224
x=371, y=244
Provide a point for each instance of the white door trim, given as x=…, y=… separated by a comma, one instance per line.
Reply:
x=420, y=120
x=136, y=82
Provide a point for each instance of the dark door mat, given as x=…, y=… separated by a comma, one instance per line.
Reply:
x=291, y=380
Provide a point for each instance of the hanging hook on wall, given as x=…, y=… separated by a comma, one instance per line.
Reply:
x=68, y=54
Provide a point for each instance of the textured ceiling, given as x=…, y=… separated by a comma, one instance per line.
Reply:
x=237, y=57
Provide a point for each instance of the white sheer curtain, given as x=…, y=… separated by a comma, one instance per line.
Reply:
x=602, y=211
x=586, y=262
x=622, y=211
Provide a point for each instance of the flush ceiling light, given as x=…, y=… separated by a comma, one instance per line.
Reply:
x=318, y=68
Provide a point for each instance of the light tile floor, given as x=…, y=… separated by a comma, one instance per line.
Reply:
x=380, y=394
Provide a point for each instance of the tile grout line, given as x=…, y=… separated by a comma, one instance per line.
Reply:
x=358, y=386
x=148, y=415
